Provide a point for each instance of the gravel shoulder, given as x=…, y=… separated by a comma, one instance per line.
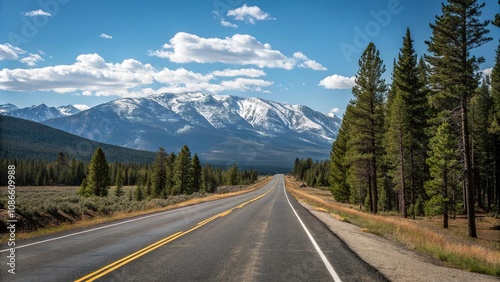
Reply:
x=394, y=261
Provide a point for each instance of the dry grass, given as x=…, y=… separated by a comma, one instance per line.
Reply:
x=141, y=208
x=468, y=254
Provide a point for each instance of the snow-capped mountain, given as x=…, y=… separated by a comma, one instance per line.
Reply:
x=221, y=129
x=38, y=113
x=7, y=108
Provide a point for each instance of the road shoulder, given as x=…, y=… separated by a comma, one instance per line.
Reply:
x=394, y=261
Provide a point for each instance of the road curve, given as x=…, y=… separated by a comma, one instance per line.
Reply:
x=264, y=235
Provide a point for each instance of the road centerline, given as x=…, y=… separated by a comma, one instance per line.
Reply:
x=121, y=262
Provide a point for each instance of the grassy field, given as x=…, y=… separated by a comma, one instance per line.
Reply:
x=52, y=209
x=423, y=234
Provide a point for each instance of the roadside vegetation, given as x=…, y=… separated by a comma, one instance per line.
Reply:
x=51, y=209
x=452, y=246
x=171, y=179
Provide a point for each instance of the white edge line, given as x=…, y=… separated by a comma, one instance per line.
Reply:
x=102, y=227
x=334, y=274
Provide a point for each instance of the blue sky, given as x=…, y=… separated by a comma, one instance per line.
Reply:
x=61, y=52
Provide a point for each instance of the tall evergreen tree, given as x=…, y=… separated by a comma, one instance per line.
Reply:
x=407, y=121
x=454, y=72
x=367, y=125
x=182, y=172
x=398, y=144
x=208, y=180
x=196, y=174
x=232, y=175
x=119, y=183
x=159, y=177
x=97, y=179
x=444, y=171
x=338, y=168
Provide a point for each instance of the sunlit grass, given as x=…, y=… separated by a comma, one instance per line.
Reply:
x=468, y=257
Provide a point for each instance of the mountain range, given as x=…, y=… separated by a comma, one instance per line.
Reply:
x=220, y=129
x=38, y=113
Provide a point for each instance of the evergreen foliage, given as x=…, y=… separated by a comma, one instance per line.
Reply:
x=97, y=179
x=455, y=75
x=440, y=151
x=366, y=129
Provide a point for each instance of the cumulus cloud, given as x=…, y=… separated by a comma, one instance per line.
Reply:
x=9, y=52
x=92, y=75
x=338, y=82
x=32, y=59
x=239, y=72
x=249, y=14
x=228, y=24
x=240, y=49
x=308, y=63
x=35, y=13
x=105, y=36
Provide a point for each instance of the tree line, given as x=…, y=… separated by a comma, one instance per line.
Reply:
x=170, y=174
x=428, y=143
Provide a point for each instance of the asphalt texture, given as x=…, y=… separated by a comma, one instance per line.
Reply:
x=255, y=236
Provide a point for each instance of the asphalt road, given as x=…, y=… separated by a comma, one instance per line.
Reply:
x=264, y=235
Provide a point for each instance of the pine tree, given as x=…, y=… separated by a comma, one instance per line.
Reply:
x=233, y=175
x=454, y=73
x=338, y=169
x=97, y=179
x=208, y=181
x=196, y=174
x=444, y=171
x=367, y=125
x=159, y=176
x=119, y=184
x=406, y=123
x=182, y=172
x=398, y=138
x=482, y=142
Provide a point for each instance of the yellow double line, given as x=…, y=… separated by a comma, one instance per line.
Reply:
x=119, y=263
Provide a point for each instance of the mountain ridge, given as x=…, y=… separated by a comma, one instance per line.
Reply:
x=220, y=128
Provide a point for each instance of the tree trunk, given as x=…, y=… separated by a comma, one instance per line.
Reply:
x=445, y=199
x=469, y=178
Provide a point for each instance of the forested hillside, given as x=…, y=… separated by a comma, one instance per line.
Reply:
x=22, y=139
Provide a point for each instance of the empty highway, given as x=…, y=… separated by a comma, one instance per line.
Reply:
x=264, y=235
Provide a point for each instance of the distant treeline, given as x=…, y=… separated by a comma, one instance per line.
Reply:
x=65, y=170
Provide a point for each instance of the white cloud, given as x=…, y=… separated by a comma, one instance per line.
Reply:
x=9, y=52
x=81, y=107
x=249, y=14
x=35, y=13
x=32, y=59
x=246, y=84
x=338, y=82
x=228, y=24
x=239, y=72
x=92, y=75
x=335, y=110
x=239, y=49
x=105, y=36
x=307, y=63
